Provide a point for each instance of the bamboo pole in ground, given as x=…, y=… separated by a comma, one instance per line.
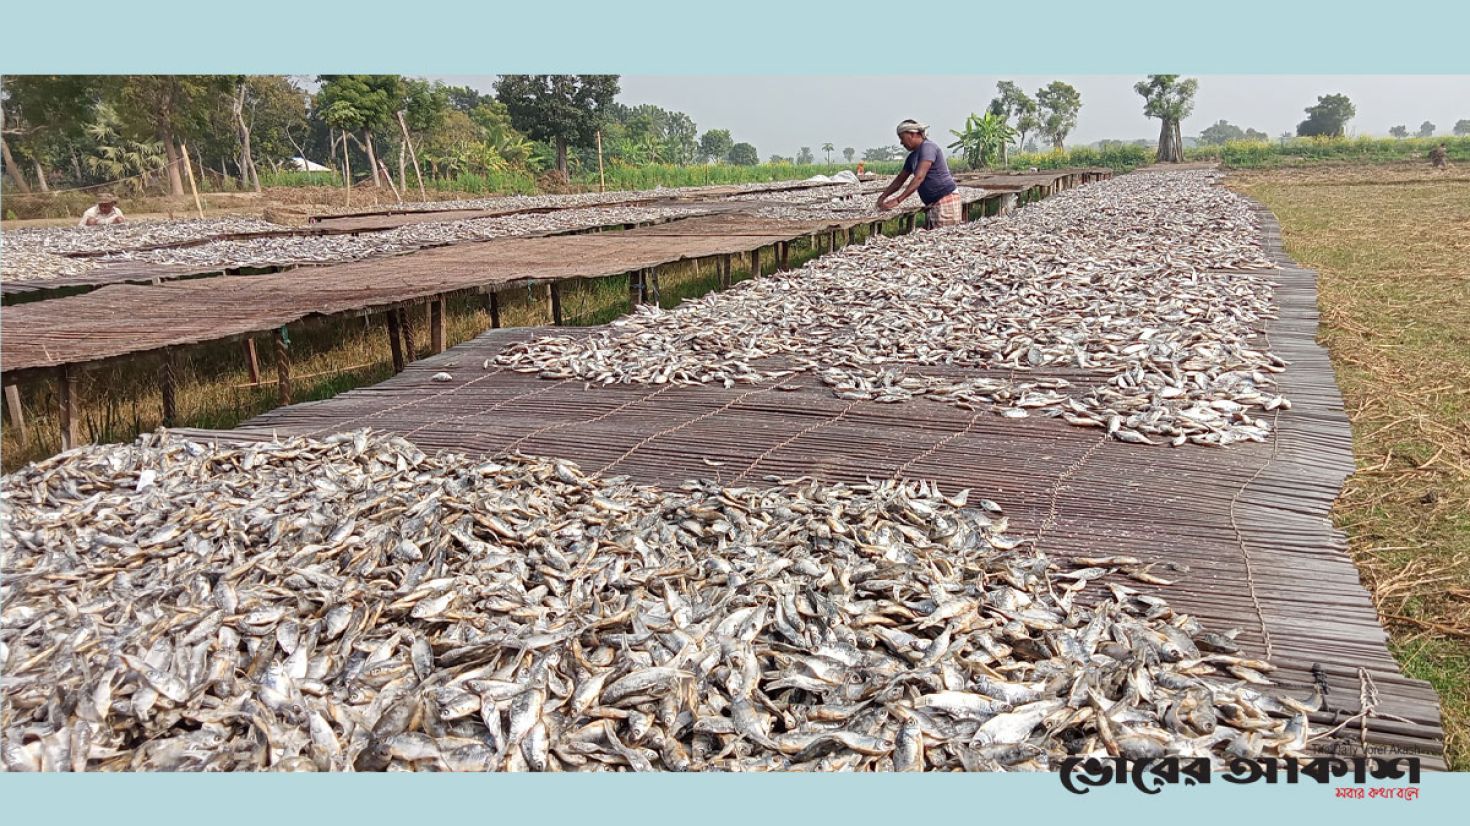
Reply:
x=383, y=167
x=189, y=168
x=601, y=177
x=346, y=168
x=417, y=173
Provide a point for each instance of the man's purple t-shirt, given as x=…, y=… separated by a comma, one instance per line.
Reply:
x=938, y=183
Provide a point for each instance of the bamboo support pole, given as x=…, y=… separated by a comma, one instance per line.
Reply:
x=252, y=360
x=438, y=332
x=636, y=288
x=395, y=339
x=71, y=419
x=405, y=326
x=555, y=290
x=282, y=357
x=168, y=383
x=14, y=410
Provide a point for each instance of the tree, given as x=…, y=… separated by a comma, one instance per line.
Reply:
x=1221, y=132
x=1011, y=102
x=1462, y=127
x=560, y=109
x=360, y=102
x=158, y=106
x=1328, y=117
x=848, y=152
x=1399, y=131
x=1169, y=99
x=660, y=135
x=805, y=155
x=1426, y=130
x=1057, y=105
x=827, y=147
x=715, y=144
x=276, y=110
x=1256, y=135
x=466, y=99
x=743, y=154
x=499, y=135
x=111, y=156
x=680, y=141
x=883, y=153
x=43, y=121
x=983, y=140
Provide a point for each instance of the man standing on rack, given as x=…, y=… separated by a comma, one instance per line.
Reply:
x=104, y=213
x=931, y=179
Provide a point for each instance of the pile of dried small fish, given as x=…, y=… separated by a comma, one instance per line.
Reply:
x=39, y=253
x=817, y=195
x=21, y=264
x=351, y=603
x=579, y=199
x=140, y=233
x=1122, y=285
x=307, y=249
x=853, y=204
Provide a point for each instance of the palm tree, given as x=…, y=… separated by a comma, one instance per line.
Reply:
x=114, y=157
x=827, y=147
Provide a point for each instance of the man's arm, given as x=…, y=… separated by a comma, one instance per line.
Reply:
x=893, y=187
x=913, y=187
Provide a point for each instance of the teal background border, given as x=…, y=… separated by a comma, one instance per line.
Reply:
x=696, y=800
x=755, y=37
x=738, y=37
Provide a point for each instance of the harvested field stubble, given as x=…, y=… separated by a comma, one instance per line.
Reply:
x=1392, y=248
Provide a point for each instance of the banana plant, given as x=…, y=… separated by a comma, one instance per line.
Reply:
x=983, y=139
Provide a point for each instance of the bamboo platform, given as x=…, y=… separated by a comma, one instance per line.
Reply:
x=1249, y=522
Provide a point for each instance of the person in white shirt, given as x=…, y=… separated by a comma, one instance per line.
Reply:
x=104, y=213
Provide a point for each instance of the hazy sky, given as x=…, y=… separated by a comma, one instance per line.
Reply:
x=781, y=114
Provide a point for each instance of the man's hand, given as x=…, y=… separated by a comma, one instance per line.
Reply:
x=882, y=204
x=91, y=222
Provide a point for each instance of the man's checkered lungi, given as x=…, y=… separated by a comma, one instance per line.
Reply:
x=945, y=212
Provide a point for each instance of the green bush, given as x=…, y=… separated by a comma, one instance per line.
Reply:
x=1299, y=151
x=290, y=178
x=1119, y=158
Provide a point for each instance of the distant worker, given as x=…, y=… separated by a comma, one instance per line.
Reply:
x=931, y=179
x=104, y=213
x=1439, y=156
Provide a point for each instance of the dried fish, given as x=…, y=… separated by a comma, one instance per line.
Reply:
x=1135, y=304
x=353, y=603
